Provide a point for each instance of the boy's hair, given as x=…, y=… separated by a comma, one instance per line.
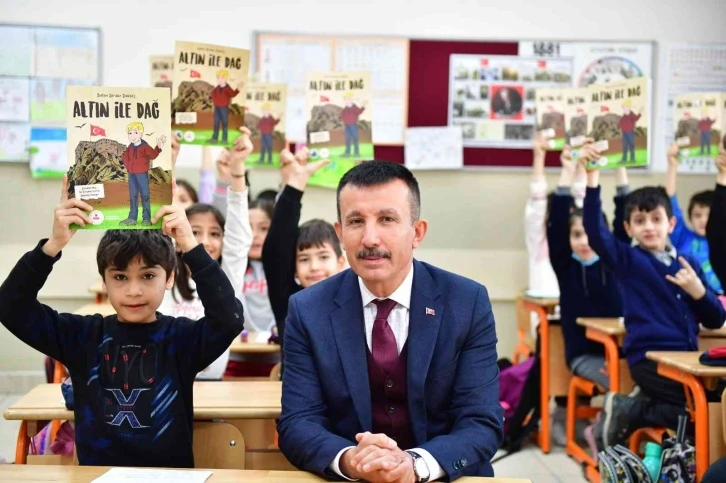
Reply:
x=222, y=73
x=181, y=280
x=267, y=195
x=315, y=233
x=647, y=199
x=118, y=248
x=182, y=183
x=135, y=126
x=702, y=198
x=374, y=173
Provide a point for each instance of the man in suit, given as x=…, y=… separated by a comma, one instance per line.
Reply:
x=390, y=366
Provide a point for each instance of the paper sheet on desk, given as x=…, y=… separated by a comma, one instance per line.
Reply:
x=137, y=475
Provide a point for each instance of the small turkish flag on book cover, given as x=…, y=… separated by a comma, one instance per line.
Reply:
x=195, y=75
x=97, y=131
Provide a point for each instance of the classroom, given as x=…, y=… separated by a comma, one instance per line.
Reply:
x=420, y=156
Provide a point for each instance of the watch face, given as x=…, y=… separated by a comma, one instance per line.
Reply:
x=421, y=468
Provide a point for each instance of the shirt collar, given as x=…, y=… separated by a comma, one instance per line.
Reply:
x=402, y=294
x=667, y=256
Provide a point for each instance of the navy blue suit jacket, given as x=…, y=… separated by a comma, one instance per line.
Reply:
x=453, y=387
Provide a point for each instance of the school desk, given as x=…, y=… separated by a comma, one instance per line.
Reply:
x=610, y=332
x=710, y=338
x=84, y=474
x=212, y=400
x=252, y=346
x=96, y=288
x=554, y=373
x=685, y=368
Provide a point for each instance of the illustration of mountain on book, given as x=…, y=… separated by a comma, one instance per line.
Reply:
x=339, y=126
x=699, y=124
x=550, y=106
x=119, y=154
x=162, y=67
x=208, y=93
x=576, y=106
x=618, y=122
x=265, y=118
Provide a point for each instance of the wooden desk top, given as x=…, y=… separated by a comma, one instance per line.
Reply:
x=713, y=333
x=252, y=347
x=687, y=362
x=542, y=302
x=212, y=400
x=104, y=309
x=609, y=326
x=84, y=474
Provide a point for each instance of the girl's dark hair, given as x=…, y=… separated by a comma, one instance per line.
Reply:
x=182, y=183
x=265, y=205
x=182, y=279
x=579, y=213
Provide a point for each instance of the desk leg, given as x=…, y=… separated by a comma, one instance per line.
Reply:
x=701, y=413
x=612, y=356
x=544, y=361
x=23, y=444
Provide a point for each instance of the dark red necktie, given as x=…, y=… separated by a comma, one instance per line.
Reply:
x=383, y=343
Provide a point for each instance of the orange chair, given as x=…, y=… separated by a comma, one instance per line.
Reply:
x=580, y=387
x=525, y=345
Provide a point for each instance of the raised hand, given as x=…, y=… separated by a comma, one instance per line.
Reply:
x=688, y=280
x=673, y=151
x=66, y=213
x=175, y=223
x=295, y=169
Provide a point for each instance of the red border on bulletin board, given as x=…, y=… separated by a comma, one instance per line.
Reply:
x=428, y=100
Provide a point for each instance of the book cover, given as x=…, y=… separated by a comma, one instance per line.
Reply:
x=119, y=153
x=162, y=67
x=550, y=108
x=208, y=93
x=265, y=109
x=618, y=122
x=576, y=107
x=339, y=124
x=699, y=124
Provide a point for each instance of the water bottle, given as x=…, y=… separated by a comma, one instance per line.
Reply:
x=652, y=460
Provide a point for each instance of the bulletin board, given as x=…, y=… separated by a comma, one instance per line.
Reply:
x=36, y=64
x=427, y=97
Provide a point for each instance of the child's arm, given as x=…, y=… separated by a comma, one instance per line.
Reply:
x=716, y=228
x=60, y=336
x=706, y=306
x=280, y=248
x=535, y=209
x=558, y=226
x=579, y=185
x=206, y=177
x=224, y=179
x=206, y=339
x=614, y=253
x=622, y=188
x=681, y=231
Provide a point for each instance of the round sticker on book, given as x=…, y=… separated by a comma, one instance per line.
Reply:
x=324, y=152
x=314, y=153
x=189, y=136
x=179, y=135
x=96, y=217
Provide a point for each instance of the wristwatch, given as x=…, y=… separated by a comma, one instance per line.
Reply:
x=420, y=468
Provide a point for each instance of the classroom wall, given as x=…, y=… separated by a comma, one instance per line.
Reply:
x=475, y=216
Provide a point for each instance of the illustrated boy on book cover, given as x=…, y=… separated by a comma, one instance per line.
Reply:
x=618, y=121
x=208, y=93
x=576, y=106
x=550, y=105
x=119, y=159
x=339, y=126
x=265, y=117
x=699, y=119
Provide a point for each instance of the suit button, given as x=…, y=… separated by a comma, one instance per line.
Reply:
x=391, y=410
x=456, y=465
x=389, y=383
x=463, y=463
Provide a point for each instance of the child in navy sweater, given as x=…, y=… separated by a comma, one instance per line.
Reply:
x=133, y=373
x=716, y=228
x=665, y=296
x=587, y=289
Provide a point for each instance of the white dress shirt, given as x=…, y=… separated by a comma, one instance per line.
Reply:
x=398, y=320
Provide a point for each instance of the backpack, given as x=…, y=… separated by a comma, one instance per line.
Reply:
x=519, y=387
x=678, y=462
x=617, y=464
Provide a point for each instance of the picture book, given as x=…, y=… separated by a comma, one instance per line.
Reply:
x=699, y=120
x=550, y=108
x=265, y=109
x=576, y=108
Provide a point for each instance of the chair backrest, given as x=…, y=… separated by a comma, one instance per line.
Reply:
x=218, y=445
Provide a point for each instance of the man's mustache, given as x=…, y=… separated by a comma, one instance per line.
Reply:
x=373, y=253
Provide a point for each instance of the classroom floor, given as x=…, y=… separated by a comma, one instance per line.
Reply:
x=529, y=463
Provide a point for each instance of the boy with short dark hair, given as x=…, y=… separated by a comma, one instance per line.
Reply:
x=665, y=296
x=133, y=372
x=691, y=241
x=295, y=257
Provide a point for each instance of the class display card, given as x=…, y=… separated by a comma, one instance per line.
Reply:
x=119, y=153
x=699, y=125
x=265, y=110
x=576, y=108
x=618, y=122
x=208, y=93
x=550, y=106
x=339, y=126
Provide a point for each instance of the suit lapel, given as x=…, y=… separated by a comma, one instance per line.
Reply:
x=349, y=329
x=425, y=317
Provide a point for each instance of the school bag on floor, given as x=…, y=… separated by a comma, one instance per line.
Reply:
x=617, y=464
x=678, y=462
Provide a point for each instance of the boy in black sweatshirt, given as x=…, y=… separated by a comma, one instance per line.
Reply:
x=133, y=372
x=295, y=257
x=587, y=289
x=716, y=228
